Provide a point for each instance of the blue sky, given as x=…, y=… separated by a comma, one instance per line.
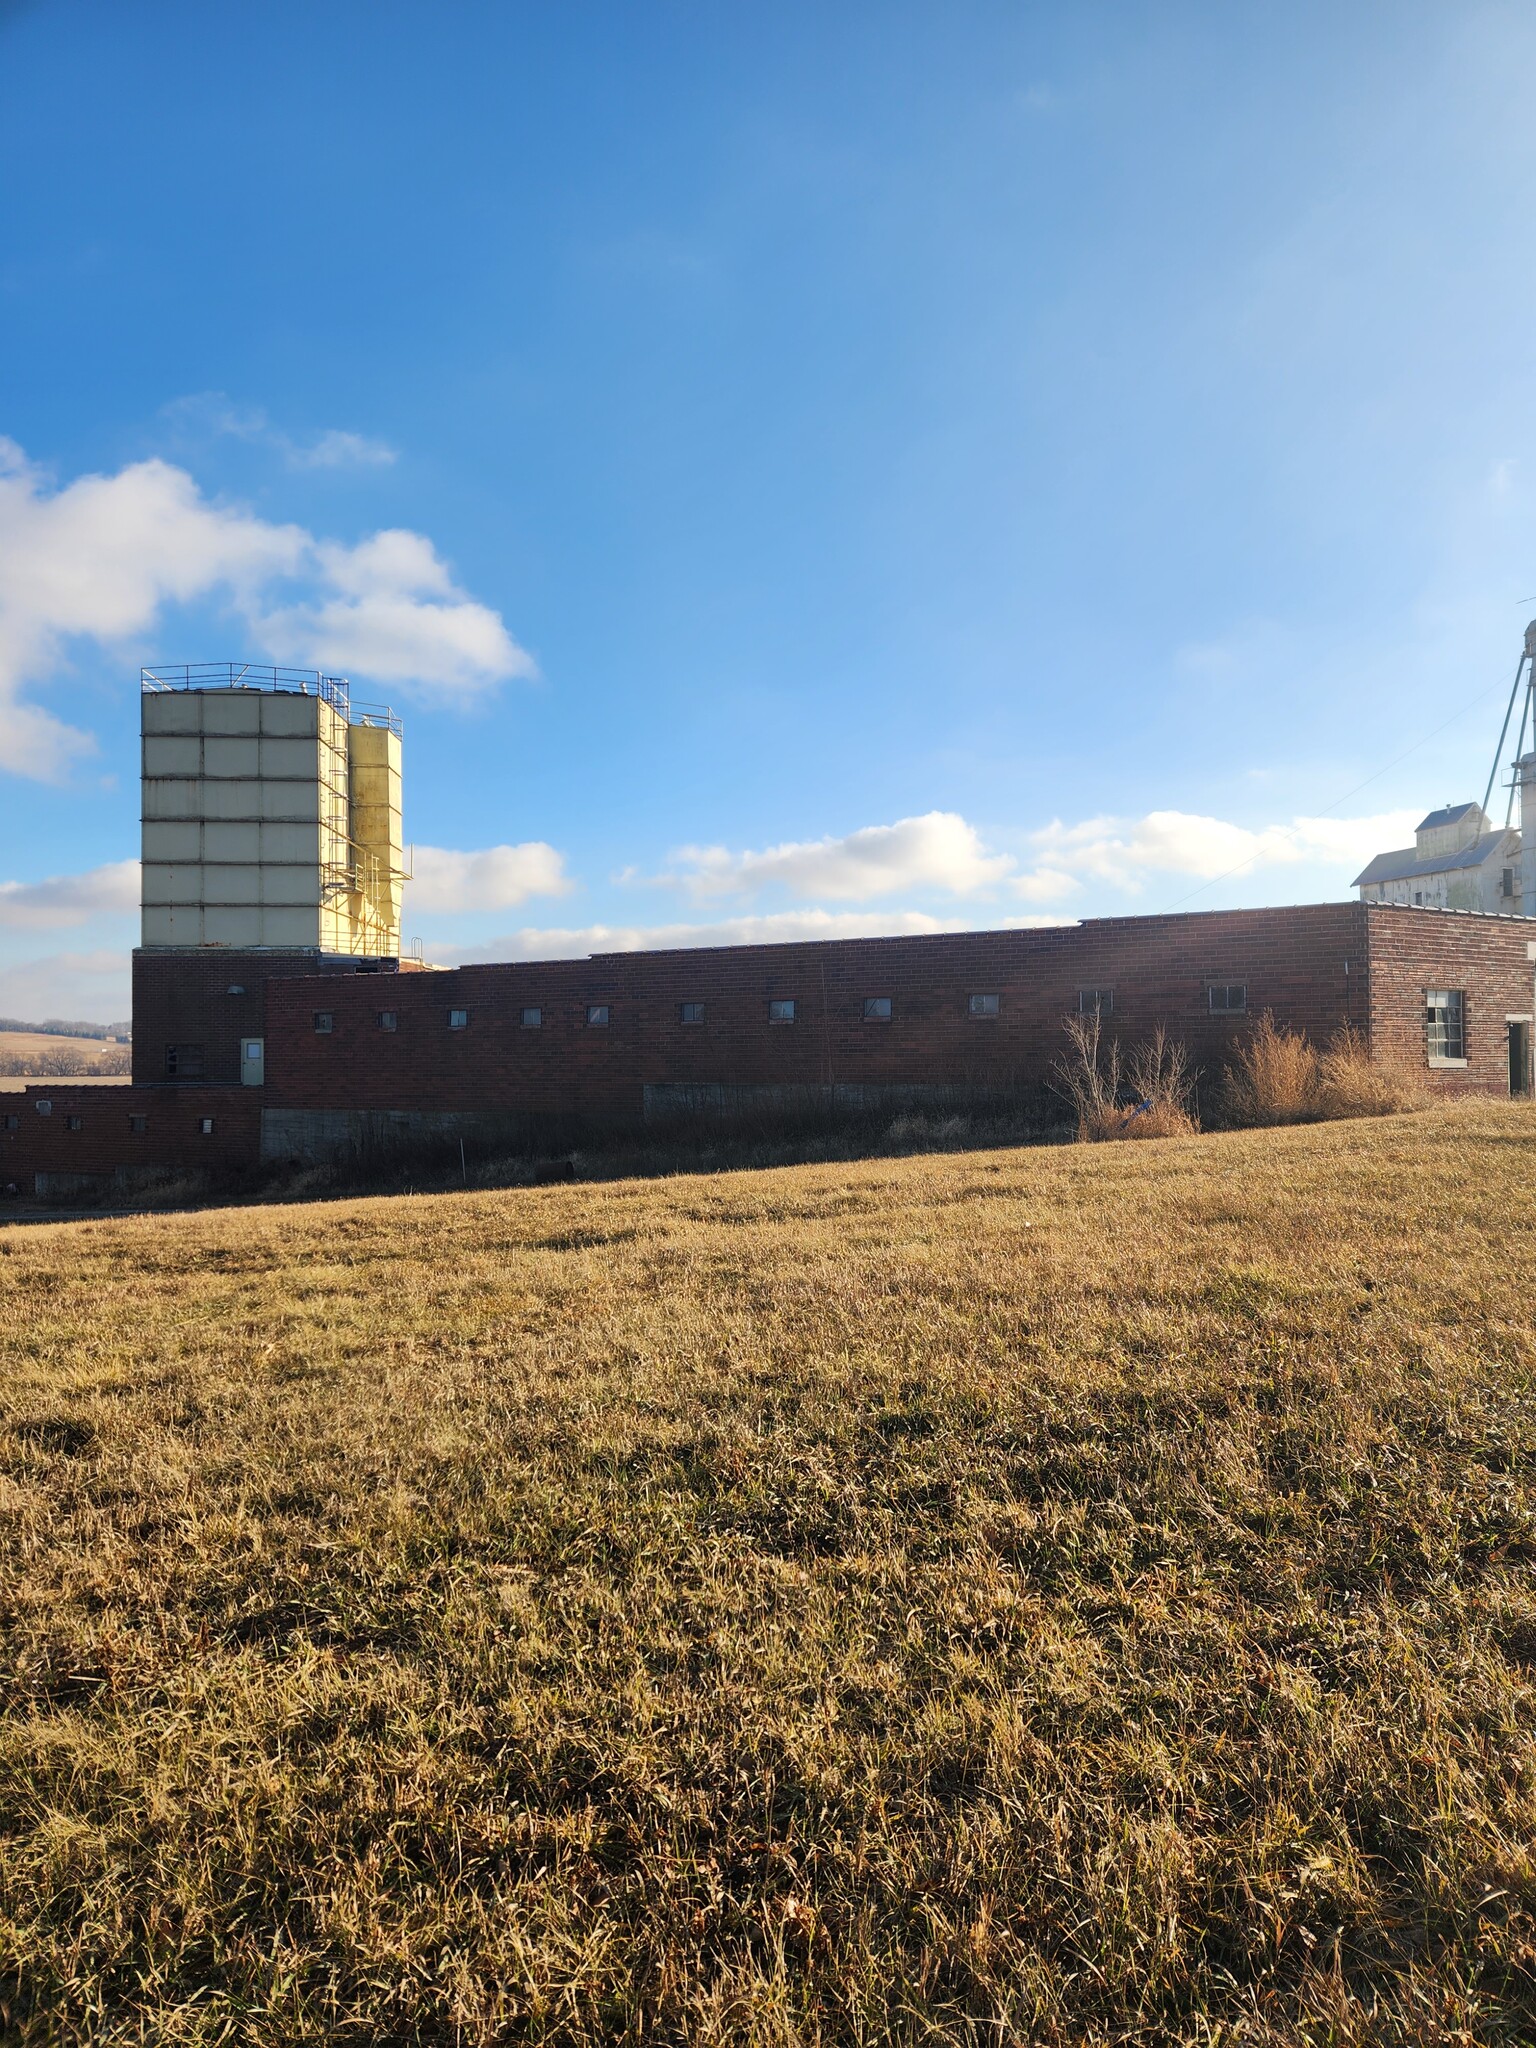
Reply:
x=856, y=468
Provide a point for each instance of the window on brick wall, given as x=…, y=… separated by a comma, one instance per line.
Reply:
x=205, y=1126
x=984, y=1005
x=533, y=1018
x=690, y=1013
x=389, y=1020
x=1227, y=998
x=781, y=1010
x=458, y=1020
x=877, y=1009
x=184, y=1062
x=1095, y=1002
x=1445, y=1024
x=137, y=1124
x=325, y=1020
x=10, y=1122
x=598, y=1014
x=74, y=1123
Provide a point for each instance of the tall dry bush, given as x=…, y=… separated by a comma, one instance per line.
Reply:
x=1275, y=1077
x=1279, y=1077
x=1092, y=1076
x=1353, y=1083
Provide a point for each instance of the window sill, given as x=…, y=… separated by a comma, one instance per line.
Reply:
x=1436, y=1061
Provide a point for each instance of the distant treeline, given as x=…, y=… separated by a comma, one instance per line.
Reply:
x=67, y=1027
x=56, y=1061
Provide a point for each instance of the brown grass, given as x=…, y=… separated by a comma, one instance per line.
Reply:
x=1061, y=1596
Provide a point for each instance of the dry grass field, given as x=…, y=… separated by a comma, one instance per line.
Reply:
x=1082, y=1595
x=29, y=1053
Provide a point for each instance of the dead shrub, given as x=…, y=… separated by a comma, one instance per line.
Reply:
x=1275, y=1077
x=1352, y=1083
x=1095, y=1079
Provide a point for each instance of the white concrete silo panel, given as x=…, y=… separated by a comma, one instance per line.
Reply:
x=166, y=799
x=157, y=928
x=293, y=927
x=236, y=884
x=229, y=800
x=232, y=711
x=295, y=758
x=171, y=711
x=291, y=843
x=173, y=840
x=158, y=884
x=286, y=713
x=231, y=757
x=231, y=924
x=225, y=841
x=172, y=754
x=290, y=885
x=298, y=802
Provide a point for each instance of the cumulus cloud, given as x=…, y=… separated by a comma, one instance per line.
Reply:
x=64, y=900
x=936, y=851
x=100, y=558
x=1122, y=851
x=495, y=878
x=782, y=927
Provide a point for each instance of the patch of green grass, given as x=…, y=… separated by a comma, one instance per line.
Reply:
x=1085, y=1595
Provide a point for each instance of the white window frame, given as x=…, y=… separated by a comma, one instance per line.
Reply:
x=781, y=1010
x=1455, y=1005
x=458, y=1020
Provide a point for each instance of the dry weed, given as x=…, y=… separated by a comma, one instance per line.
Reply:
x=1052, y=1596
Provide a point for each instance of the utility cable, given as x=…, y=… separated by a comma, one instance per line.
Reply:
x=1422, y=741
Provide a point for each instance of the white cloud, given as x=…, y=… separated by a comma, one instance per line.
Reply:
x=63, y=900
x=777, y=928
x=205, y=413
x=101, y=558
x=936, y=851
x=337, y=449
x=1122, y=851
x=92, y=985
x=495, y=878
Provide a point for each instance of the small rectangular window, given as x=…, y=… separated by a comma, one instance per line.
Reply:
x=597, y=1015
x=184, y=1062
x=10, y=1122
x=1445, y=1020
x=324, y=1020
x=985, y=1005
x=877, y=1009
x=533, y=1018
x=389, y=1020
x=690, y=1013
x=74, y=1123
x=781, y=1010
x=1507, y=882
x=205, y=1126
x=137, y=1124
x=1227, y=998
x=458, y=1020
x=1095, y=1002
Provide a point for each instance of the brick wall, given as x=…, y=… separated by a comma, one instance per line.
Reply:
x=107, y=1143
x=181, y=996
x=1487, y=958
x=1306, y=964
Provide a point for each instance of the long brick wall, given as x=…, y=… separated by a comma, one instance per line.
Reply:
x=1308, y=965
x=122, y=1132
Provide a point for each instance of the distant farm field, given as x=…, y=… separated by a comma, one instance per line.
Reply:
x=1072, y=1595
x=26, y=1051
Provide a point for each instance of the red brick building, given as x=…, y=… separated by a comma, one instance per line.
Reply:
x=244, y=1056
